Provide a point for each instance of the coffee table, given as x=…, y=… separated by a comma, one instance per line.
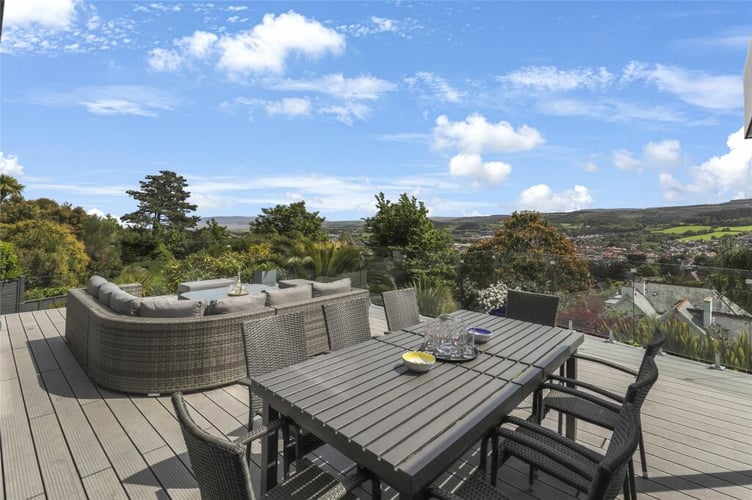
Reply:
x=218, y=293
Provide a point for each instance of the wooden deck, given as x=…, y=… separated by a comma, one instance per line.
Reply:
x=64, y=437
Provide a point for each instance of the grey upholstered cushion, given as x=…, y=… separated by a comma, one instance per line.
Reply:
x=339, y=286
x=248, y=303
x=106, y=291
x=160, y=307
x=123, y=302
x=283, y=296
x=92, y=287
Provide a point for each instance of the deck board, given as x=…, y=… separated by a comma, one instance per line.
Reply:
x=65, y=437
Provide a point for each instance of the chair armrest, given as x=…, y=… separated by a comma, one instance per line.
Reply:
x=591, y=455
x=568, y=382
x=442, y=494
x=258, y=433
x=352, y=481
x=605, y=362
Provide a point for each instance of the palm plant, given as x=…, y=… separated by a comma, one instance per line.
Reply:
x=326, y=259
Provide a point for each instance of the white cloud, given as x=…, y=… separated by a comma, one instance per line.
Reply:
x=117, y=107
x=590, y=167
x=136, y=100
x=482, y=173
x=267, y=46
x=9, y=165
x=373, y=26
x=292, y=106
x=164, y=60
x=476, y=135
x=199, y=44
x=347, y=112
x=697, y=88
x=237, y=8
x=541, y=198
x=664, y=154
x=717, y=179
x=624, y=160
x=336, y=85
x=433, y=87
x=165, y=8
x=552, y=79
x=58, y=14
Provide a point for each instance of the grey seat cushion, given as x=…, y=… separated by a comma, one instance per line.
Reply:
x=105, y=292
x=92, y=287
x=160, y=307
x=283, y=296
x=123, y=302
x=247, y=303
x=339, y=286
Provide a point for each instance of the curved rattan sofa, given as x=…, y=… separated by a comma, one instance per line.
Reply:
x=162, y=355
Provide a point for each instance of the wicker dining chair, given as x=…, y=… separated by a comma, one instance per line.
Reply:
x=401, y=308
x=538, y=308
x=599, y=406
x=600, y=476
x=222, y=470
x=272, y=343
x=347, y=322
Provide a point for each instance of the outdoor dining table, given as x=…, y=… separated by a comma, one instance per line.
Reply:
x=405, y=427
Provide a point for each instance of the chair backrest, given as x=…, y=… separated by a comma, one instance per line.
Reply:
x=347, y=322
x=659, y=338
x=272, y=343
x=538, y=308
x=401, y=308
x=220, y=466
x=638, y=390
x=612, y=469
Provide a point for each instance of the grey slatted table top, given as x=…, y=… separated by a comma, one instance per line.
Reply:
x=409, y=427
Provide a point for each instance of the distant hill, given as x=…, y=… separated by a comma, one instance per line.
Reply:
x=736, y=212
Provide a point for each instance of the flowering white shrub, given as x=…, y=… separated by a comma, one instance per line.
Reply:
x=493, y=297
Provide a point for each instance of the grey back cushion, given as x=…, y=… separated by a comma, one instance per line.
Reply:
x=92, y=287
x=283, y=296
x=106, y=291
x=339, y=286
x=246, y=303
x=160, y=307
x=123, y=302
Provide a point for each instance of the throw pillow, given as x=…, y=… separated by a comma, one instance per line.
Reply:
x=123, y=302
x=92, y=287
x=105, y=292
x=160, y=307
x=339, y=286
x=244, y=303
x=283, y=296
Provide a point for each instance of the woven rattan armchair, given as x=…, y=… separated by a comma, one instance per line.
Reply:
x=600, y=476
x=538, y=308
x=222, y=471
x=599, y=406
x=401, y=308
x=347, y=322
x=475, y=487
x=270, y=344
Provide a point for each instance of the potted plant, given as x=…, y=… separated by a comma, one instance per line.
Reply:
x=265, y=273
x=494, y=298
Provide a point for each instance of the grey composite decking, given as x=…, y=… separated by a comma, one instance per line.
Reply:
x=63, y=437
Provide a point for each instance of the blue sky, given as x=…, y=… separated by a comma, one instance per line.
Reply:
x=475, y=108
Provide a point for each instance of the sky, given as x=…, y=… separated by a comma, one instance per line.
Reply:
x=474, y=108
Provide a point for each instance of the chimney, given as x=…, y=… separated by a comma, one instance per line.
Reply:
x=640, y=287
x=707, y=312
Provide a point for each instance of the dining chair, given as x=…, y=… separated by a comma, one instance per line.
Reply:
x=222, y=470
x=599, y=406
x=272, y=343
x=347, y=322
x=599, y=476
x=535, y=307
x=401, y=308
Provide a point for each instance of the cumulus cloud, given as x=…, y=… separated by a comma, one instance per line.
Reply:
x=541, y=198
x=624, y=160
x=266, y=47
x=722, y=92
x=552, y=79
x=717, y=179
x=195, y=47
x=433, y=87
x=9, y=165
x=58, y=14
x=472, y=166
x=164, y=60
x=664, y=154
x=476, y=135
x=292, y=106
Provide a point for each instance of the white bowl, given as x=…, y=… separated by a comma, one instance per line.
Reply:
x=481, y=335
x=418, y=361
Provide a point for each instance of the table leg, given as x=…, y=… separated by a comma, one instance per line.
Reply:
x=571, y=422
x=269, y=452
